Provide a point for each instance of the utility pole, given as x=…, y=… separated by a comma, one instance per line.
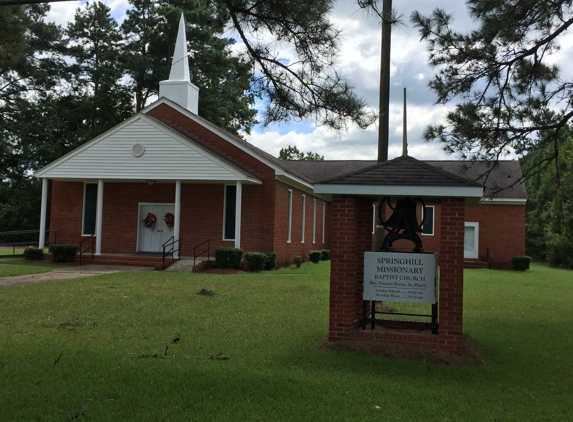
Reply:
x=383, y=126
x=384, y=122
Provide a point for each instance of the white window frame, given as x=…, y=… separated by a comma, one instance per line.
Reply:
x=289, y=216
x=373, y=218
x=475, y=251
x=314, y=221
x=84, y=207
x=323, y=220
x=433, y=221
x=303, y=218
x=225, y=212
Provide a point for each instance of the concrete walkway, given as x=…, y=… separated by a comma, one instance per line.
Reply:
x=67, y=273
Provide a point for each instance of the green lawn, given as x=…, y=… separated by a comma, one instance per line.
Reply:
x=145, y=347
x=14, y=266
x=4, y=250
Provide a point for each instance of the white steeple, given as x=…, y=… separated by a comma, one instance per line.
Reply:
x=179, y=88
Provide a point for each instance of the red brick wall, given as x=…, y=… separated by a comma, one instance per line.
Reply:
x=286, y=251
x=66, y=212
x=202, y=207
x=210, y=140
x=501, y=229
x=451, y=261
x=346, y=268
x=201, y=214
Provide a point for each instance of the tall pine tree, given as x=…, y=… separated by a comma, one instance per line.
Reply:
x=510, y=94
x=223, y=79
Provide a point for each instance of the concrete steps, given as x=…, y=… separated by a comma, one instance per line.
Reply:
x=128, y=260
x=474, y=264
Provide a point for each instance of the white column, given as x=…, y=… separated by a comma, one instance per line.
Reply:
x=238, y=215
x=42, y=239
x=99, y=216
x=177, y=217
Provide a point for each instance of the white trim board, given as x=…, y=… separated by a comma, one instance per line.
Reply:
x=469, y=192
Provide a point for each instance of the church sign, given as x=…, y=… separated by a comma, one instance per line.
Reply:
x=400, y=277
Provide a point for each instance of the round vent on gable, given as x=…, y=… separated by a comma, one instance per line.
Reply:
x=137, y=150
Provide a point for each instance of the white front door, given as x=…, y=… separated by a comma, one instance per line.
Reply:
x=471, y=232
x=155, y=226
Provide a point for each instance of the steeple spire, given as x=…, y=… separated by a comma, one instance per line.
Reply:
x=180, y=65
x=178, y=88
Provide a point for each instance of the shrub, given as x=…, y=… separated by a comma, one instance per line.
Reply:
x=315, y=256
x=256, y=260
x=33, y=253
x=228, y=257
x=520, y=263
x=63, y=253
x=271, y=260
x=298, y=261
x=325, y=254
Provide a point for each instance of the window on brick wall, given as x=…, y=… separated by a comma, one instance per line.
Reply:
x=230, y=208
x=90, y=208
x=323, y=220
x=289, y=216
x=428, y=223
x=373, y=218
x=314, y=221
x=303, y=218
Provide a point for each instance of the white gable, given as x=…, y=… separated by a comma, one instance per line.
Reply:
x=166, y=156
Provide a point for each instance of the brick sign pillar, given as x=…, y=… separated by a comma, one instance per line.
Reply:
x=351, y=236
x=451, y=260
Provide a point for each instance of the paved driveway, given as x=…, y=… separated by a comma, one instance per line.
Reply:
x=67, y=273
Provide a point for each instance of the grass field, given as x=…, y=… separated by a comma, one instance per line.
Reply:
x=147, y=347
x=18, y=266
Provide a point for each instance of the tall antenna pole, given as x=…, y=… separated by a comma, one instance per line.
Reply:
x=383, y=126
x=405, y=130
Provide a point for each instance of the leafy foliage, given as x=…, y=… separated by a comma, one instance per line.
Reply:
x=315, y=256
x=511, y=95
x=293, y=153
x=256, y=260
x=33, y=253
x=520, y=263
x=63, y=253
x=550, y=206
x=298, y=261
x=228, y=257
x=308, y=86
x=271, y=261
x=223, y=79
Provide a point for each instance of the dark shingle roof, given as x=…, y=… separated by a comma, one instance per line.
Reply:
x=501, y=179
x=401, y=171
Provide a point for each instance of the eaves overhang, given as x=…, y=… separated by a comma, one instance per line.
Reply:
x=472, y=195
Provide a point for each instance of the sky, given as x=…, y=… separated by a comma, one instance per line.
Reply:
x=359, y=61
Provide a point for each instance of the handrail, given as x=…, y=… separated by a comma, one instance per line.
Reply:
x=92, y=246
x=208, y=250
x=17, y=232
x=172, y=250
